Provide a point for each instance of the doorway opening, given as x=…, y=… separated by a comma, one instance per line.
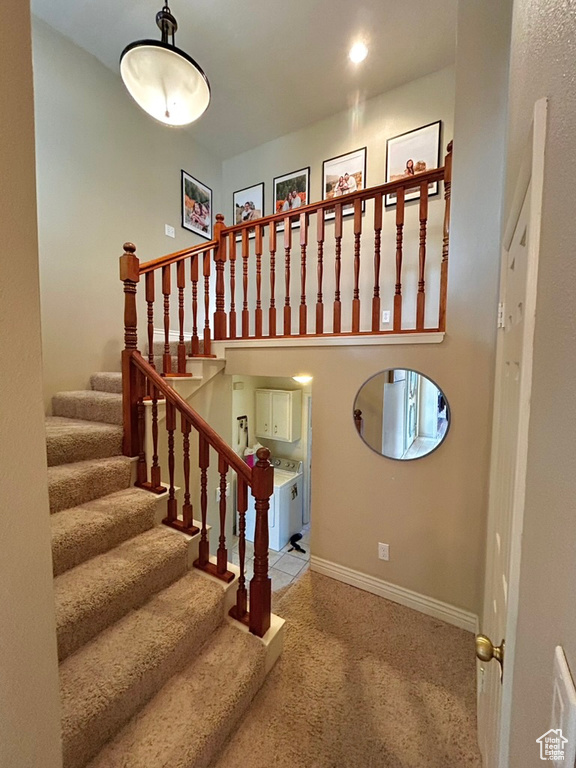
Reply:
x=276, y=413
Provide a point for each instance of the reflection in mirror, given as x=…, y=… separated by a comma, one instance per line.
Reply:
x=401, y=414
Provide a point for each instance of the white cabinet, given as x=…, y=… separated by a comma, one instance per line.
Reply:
x=279, y=414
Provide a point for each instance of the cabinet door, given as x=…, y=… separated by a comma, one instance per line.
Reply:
x=281, y=416
x=263, y=414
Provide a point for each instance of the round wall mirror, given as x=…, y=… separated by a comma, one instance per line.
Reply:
x=401, y=414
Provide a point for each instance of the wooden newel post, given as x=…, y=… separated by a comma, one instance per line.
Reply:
x=220, y=260
x=130, y=276
x=261, y=585
x=446, y=240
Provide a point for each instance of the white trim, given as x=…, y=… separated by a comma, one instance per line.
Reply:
x=172, y=335
x=433, y=337
x=458, y=617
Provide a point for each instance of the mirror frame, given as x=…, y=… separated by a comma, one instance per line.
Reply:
x=394, y=458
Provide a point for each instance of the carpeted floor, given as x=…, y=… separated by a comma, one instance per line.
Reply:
x=362, y=683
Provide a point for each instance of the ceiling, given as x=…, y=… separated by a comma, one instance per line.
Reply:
x=274, y=65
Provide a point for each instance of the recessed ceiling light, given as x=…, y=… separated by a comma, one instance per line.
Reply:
x=358, y=52
x=302, y=379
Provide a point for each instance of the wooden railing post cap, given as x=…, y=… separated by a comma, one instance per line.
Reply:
x=129, y=264
x=219, y=218
x=262, y=475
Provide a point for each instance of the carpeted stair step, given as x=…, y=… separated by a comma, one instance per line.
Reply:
x=70, y=485
x=93, y=528
x=185, y=725
x=111, y=678
x=89, y=405
x=69, y=440
x=107, y=382
x=97, y=593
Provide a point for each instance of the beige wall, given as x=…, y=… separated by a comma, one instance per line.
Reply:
x=542, y=64
x=410, y=106
x=107, y=173
x=431, y=512
x=29, y=696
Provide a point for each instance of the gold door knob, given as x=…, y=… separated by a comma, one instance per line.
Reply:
x=486, y=650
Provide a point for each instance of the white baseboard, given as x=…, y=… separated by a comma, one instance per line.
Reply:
x=428, y=605
x=172, y=335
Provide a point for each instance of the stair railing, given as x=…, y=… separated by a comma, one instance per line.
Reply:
x=252, y=293
x=142, y=384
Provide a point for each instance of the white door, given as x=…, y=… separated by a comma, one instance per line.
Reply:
x=281, y=415
x=509, y=445
x=263, y=413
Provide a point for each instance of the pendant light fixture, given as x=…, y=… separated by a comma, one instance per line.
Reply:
x=164, y=80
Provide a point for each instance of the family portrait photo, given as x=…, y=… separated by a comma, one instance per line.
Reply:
x=291, y=190
x=196, y=206
x=249, y=203
x=343, y=175
x=412, y=153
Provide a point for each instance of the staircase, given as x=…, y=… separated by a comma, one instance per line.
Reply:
x=152, y=674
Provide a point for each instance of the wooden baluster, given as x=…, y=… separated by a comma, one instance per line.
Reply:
x=232, y=317
x=195, y=342
x=172, y=504
x=421, y=299
x=258, y=249
x=357, y=236
x=141, y=468
x=150, y=315
x=187, y=511
x=222, y=553
x=399, y=236
x=260, y=586
x=272, y=310
x=181, y=282
x=245, y=311
x=166, y=288
x=303, y=246
x=204, y=463
x=207, y=339
x=219, y=261
x=155, y=484
x=319, y=297
x=445, y=240
x=218, y=569
x=337, y=323
x=130, y=275
x=239, y=611
x=287, y=253
x=377, y=258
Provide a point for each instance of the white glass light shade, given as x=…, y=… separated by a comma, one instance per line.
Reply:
x=165, y=82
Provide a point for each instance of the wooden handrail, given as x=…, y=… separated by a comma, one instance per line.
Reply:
x=362, y=194
x=172, y=258
x=348, y=200
x=210, y=435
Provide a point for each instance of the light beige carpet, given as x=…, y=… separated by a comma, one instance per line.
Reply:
x=362, y=683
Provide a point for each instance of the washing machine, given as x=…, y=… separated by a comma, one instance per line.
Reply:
x=286, y=504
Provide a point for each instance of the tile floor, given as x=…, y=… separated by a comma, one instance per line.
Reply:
x=285, y=566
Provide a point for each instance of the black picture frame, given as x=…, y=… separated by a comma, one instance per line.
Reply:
x=251, y=197
x=339, y=167
x=200, y=195
x=280, y=199
x=400, y=150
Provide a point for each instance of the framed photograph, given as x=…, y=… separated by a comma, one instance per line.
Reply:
x=196, y=206
x=342, y=175
x=248, y=205
x=412, y=153
x=291, y=191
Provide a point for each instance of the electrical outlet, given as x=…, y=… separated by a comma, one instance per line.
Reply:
x=169, y=231
x=386, y=316
x=383, y=551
